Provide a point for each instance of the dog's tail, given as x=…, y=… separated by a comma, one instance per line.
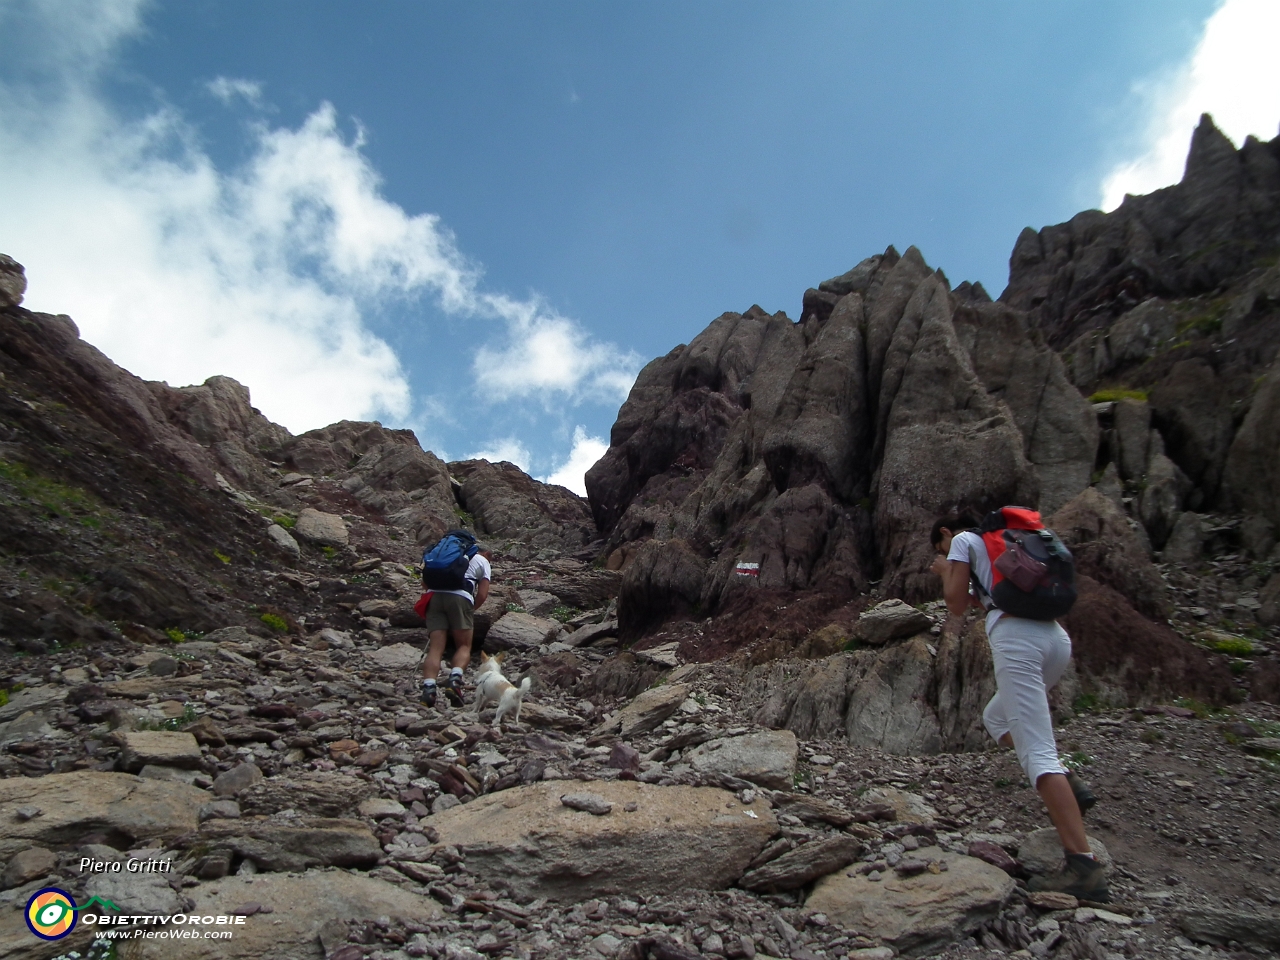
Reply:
x=525, y=684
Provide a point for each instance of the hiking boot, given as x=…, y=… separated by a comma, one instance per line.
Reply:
x=453, y=689
x=429, y=694
x=1084, y=796
x=1082, y=877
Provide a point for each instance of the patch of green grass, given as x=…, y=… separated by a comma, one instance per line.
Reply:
x=1151, y=736
x=329, y=552
x=1232, y=646
x=1110, y=396
x=4, y=697
x=285, y=521
x=54, y=498
x=188, y=716
x=1076, y=759
x=275, y=622
x=852, y=644
x=176, y=635
x=1085, y=703
x=564, y=614
x=1240, y=666
x=1201, y=710
x=1003, y=783
x=221, y=557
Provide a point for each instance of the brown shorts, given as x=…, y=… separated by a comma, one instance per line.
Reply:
x=448, y=611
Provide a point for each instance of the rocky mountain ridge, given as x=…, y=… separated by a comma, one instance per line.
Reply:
x=746, y=736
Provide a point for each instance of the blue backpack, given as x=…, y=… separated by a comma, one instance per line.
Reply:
x=444, y=566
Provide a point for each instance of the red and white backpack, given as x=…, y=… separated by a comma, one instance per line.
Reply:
x=1033, y=574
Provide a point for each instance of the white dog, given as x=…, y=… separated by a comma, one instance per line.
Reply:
x=493, y=687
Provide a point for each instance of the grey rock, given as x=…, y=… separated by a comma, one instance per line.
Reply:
x=397, y=656
x=657, y=839
x=1186, y=540
x=295, y=844
x=282, y=540
x=322, y=529
x=520, y=631
x=238, y=778
x=1162, y=498
x=13, y=281
x=143, y=893
x=220, y=810
x=139, y=810
x=802, y=865
x=1206, y=924
x=588, y=802
x=31, y=864
x=586, y=635
x=1252, y=476
x=916, y=915
x=767, y=758
x=646, y=711
x=161, y=748
x=153, y=771
x=1133, y=437
x=1041, y=851
x=890, y=620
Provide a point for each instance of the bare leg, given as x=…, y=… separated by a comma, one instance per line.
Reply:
x=435, y=650
x=462, y=647
x=1063, y=811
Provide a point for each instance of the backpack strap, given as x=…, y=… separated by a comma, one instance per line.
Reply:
x=984, y=597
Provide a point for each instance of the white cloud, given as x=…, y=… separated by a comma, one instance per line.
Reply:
x=545, y=354
x=1234, y=74
x=507, y=448
x=227, y=89
x=586, y=451
x=267, y=272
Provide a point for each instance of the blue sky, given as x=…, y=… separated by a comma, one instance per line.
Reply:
x=479, y=220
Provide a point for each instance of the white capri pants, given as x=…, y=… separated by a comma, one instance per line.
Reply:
x=1030, y=656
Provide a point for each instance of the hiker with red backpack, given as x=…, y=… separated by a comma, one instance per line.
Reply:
x=1024, y=577
x=456, y=572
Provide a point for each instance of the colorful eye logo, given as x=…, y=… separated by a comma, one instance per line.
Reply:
x=51, y=913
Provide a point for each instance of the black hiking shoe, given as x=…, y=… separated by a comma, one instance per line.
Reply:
x=428, y=694
x=1082, y=877
x=453, y=689
x=1084, y=796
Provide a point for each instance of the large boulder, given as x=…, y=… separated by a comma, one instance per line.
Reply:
x=301, y=906
x=127, y=809
x=1252, y=473
x=653, y=840
x=916, y=915
x=293, y=845
x=767, y=758
x=882, y=699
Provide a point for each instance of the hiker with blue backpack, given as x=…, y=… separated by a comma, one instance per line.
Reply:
x=1024, y=577
x=456, y=571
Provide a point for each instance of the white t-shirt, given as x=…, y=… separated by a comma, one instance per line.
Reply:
x=478, y=569
x=967, y=547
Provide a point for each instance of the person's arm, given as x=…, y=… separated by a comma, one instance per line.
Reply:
x=955, y=587
x=482, y=593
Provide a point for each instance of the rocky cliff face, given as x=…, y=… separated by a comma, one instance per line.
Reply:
x=772, y=475
x=820, y=451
